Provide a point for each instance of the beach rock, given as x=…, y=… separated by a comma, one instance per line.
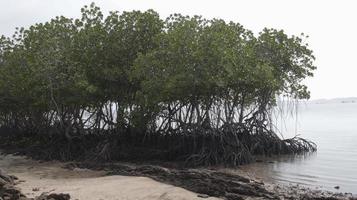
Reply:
x=2, y=182
x=203, y=196
x=8, y=191
x=232, y=196
x=5, y=178
x=203, y=181
x=53, y=197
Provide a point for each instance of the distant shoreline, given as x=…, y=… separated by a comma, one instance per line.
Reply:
x=333, y=100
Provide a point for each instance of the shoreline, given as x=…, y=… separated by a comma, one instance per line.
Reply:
x=38, y=177
x=216, y=183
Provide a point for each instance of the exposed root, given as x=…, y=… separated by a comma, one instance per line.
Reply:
x=234, y=148
x=210, y=147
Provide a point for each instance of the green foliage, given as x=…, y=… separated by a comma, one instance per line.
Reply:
x=133, y=72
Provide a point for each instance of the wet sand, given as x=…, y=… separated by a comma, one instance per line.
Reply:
x=39, y=177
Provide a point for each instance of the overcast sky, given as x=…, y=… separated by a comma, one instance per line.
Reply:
x=331, y=26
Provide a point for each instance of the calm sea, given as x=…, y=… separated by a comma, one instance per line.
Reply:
x=333, y=127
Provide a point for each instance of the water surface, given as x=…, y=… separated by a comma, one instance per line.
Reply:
x=333, y=127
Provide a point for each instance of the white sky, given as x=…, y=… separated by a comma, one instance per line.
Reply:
x=331, y=26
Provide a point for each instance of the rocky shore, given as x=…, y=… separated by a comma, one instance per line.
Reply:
x=215, y=183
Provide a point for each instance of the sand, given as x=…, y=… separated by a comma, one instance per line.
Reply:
x=83, y=184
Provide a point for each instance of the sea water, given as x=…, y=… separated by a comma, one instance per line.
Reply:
x=333, y=127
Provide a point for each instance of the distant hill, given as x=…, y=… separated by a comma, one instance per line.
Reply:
x=335, y=100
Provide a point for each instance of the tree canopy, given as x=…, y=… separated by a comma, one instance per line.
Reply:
x=135, y=75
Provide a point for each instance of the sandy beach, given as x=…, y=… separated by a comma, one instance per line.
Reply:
x=41, y=177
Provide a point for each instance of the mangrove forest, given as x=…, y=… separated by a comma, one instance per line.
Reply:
x=135, y=86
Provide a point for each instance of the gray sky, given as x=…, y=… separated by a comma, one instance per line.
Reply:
x=331, y=26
